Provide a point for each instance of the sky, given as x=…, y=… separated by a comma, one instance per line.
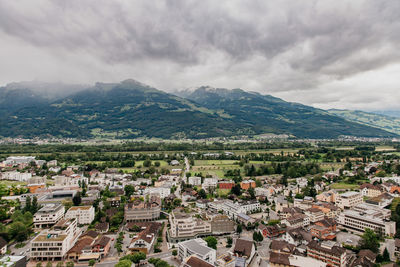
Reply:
x=328, y=54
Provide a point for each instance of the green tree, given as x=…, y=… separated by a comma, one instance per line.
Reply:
x=174, y=253
x=49, y=264
x=147, y=163
x=92, y=262
x=211, y=242
x=239, y=228
x=35, y=206
x=77, y=199
x=137, y=257
x=60, y=264
x=39, y=264
x=129, y=190
x=385, y=255
x=202, y=193
x=19, y=231
x=370, y=240
x=70, y=264
x=124, y=263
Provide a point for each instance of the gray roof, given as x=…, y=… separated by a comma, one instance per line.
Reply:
x=196, y=247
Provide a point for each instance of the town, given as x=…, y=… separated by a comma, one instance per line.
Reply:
x=301, y=205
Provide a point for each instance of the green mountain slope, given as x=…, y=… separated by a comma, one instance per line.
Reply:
x=265, y=113
x=130, y=109
x=387, y=123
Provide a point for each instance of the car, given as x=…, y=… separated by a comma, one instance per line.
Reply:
x=349, y=241
x=112, y=239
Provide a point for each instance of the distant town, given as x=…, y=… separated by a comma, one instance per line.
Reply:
x=315, y=203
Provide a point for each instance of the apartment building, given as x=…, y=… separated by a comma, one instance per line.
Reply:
x=349, y=199
x=143, y=210
x=297, y=220
x=162, y=191
x=221, y=224
x=328, y=196
x=370, y=190
x=314, y=214
x=197, y=247
x=210, y=183
x=194, y=180
x=329, y=209
x=48, y=215
x=357, y=221
x=16, y=176
x=184, y=226
x=83, y=214
x=327, y=252
x=247, y=184
x=53, y=244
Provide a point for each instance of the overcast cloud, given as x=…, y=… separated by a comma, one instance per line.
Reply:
x=341, y=54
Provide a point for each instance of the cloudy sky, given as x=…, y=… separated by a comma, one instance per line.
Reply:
x=342, y=54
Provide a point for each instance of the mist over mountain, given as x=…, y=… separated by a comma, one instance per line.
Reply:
x=131, y=109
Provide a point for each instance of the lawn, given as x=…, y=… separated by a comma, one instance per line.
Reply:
x=223, y=192
x=343, y=185
x=11, y=183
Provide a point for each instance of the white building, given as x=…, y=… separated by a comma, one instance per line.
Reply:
x=356, y=221
x=48, y=215
x=162, y=191
x=349, y=199
x=16, y=176
x=194, y=180
x=69, y=181
x=82, y=214
x=233, y=209
x=197, y=247
x=210, y=183
x=53, y=244
x=185, y=226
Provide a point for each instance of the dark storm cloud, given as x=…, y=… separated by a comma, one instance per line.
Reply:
x=299, y=50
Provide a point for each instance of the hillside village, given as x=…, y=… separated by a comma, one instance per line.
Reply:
x=54, y=214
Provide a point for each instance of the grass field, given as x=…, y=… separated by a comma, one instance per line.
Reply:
x=343, y=185
x=11, y=183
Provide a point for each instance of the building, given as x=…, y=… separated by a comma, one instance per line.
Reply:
x=144, y=240
x=221, y=224
x=13, y=261
x=114, y=201
x=210, y=184
x=324, y=229
x=247, y=184
x=194, y=180
x=370, y=190
x=328, y=252
x=3, y=246
x=233, y=209
x=244, y=249
x=329, y=209
x=184, y=226
x=48, y=215
x=195, y=261
x=397, y=248
x=226, y=185
x=83, y=214
x=143, y=210
x=357, y=221
x=349, y=199
x=162, y=191
x=270, y=231
x=53, y=244
x=16, y=176
x=297, y=220
x=197, y=247
x=314, y=214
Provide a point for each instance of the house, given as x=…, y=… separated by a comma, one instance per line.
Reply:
x=279, y=246
x=221, y=224
x=280, y=203
x=328, y=252
x=226, y=185
x=148, y=210
x=195, y=261
x=144, y=240
x=244, y=249
x=314, y=214
x=174, y=162
x=189, y=195
x=370, y=190
x=202, y=203
x=194, y=180
x=3, y=246
x=324, y=229
x=102, y=227
x=397, y=248
x=328, y=196
x=365, y=258
x=297, y=236
x=297, y=220
x=269, y=231
x=101, y=245
x=114, y=201
x=197, y=247
x=247, y=184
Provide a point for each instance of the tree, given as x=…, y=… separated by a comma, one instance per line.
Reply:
x=385, y=255
x=129, y=190
x=211, y=242
x=251, y=193
x=92, y=262
x=49, y=264
x=70, y=264
x=202, y=193
x=174, y=253
x=137, y=257
x=157, y=164
x=147, y=163
x=229, y=242
x=370, y=240
x=35, y=206
x=239, y=228
x=19, y=231
x=258, y=183
x=39, y=264
x=60, y=264
x=236, y=190
x=124, y=263
x=77, y=199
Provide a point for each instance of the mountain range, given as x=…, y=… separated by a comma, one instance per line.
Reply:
x=131, y=109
